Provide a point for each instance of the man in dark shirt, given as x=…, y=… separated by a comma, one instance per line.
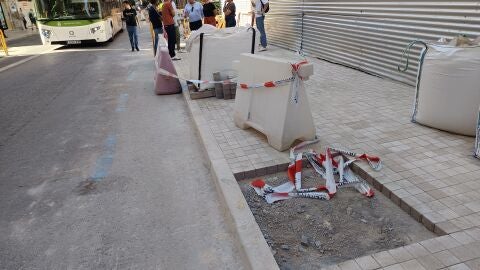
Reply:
x=229, y=10
x=156, y=21
x=130, y=17
x=209, y=11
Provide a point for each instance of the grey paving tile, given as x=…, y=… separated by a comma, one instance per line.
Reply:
x=464, y=253
x=430, y=262
x=433, y=245
x=462, y=238
x=349, y=265
x=474, y=233
x=330, y=267
x=449, y=241
x=394, y=267
x=384, y=258
x=417, y=250
x=473, y=264
x=412, y=265
x=447, y=258
x=367, y=263
x=400, y=254
x=460, y=266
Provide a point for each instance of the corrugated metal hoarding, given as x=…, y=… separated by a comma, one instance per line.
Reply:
x=368, y=35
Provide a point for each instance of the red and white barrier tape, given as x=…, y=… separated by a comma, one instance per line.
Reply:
x=325, y=166
x=268, y=84
x=346, y=177
x=374, y=162
x=297, y=80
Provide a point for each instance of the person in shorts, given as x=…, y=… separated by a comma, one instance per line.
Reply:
x=194, y=11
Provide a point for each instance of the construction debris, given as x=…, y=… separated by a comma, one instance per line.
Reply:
x=330, y=167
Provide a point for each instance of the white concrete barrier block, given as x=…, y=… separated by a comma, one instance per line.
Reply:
x=273, y=111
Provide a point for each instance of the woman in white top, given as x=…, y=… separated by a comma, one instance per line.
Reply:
x=261, y=7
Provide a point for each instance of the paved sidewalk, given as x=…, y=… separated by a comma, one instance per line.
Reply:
x=18, y=34
x=23, y=47
x=430, y=174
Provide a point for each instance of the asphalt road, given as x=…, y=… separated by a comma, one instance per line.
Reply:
x=96, y=172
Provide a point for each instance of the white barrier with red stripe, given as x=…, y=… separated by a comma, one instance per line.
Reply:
x=280, y=111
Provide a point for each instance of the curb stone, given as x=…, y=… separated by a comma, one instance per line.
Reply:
x=255, y=251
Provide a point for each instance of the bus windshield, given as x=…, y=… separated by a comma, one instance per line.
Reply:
x=67, y=9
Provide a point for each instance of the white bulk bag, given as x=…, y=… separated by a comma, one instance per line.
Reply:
x=220, y=48
x=448, y=89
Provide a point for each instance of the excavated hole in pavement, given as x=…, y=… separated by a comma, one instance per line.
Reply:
x=308, y=233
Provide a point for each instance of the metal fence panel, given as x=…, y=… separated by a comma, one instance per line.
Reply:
x=368, y=35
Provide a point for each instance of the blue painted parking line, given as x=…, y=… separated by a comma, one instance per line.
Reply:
x=122, y=103
x=105, y=161
x=131, y=76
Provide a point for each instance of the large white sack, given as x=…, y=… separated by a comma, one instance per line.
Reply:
x=448, y=89
x=206, y=28
x=220, y=48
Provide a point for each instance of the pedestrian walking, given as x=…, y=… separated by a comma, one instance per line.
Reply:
x=23, y=19
x=229, y=10
x=168, y=14
x=32, y=18
x=130, y=18
x=156, y=21
x=209, y=12
x=261, y=7
x=176, y=20
x=194, y=11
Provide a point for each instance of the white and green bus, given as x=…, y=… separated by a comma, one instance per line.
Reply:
x=78, y=21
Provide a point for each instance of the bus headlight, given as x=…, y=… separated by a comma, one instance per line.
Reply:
x=94, y=29
x=46, y=33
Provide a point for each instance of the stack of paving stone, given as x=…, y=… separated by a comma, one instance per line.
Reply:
x=225, y=90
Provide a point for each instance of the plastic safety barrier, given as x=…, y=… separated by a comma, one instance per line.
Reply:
x=165, y=84
x=279, y=109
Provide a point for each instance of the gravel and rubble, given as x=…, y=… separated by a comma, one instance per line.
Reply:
x=307, y=233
